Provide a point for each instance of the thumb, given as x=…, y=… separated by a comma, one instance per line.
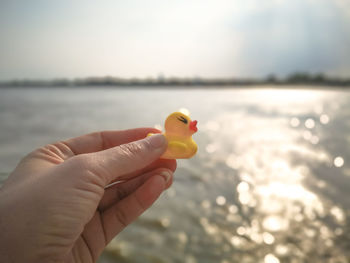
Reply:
x=114, y=163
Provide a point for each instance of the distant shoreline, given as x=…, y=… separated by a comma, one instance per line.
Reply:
x=227, y=87
x=295, y=80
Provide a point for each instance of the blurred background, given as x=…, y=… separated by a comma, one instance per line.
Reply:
x=268, y=81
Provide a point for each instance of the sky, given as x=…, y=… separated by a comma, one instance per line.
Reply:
x=43, y=39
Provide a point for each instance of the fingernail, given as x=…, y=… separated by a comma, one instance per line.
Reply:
x=157, y=140
x=166, y=175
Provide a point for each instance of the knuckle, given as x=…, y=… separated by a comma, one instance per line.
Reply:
x=56, y=151
x=86, y=162
x=81, y=161
x=49, y=152
x=140, y=203
x=42, y=151
x=131, y=149
x=64, y=150
x=91, y=170
x=121, y=217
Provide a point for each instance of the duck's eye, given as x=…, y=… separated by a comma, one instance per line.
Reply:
x=184, y=120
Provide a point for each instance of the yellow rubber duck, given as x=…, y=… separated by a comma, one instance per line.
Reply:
x=179, y=129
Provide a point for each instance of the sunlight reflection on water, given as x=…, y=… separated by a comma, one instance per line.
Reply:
x=255, y=192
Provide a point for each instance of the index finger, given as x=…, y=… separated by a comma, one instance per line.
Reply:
x=99, y=141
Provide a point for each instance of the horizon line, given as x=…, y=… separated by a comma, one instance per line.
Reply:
x=161, y=77
x=297, y=78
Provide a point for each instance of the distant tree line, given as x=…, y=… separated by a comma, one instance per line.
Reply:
x=293, y=79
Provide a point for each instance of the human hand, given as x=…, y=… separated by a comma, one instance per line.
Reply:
x=55, y=206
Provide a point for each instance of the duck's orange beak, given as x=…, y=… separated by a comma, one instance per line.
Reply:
x=193, y=126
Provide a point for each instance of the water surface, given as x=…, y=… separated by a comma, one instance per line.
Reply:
x=270, y=182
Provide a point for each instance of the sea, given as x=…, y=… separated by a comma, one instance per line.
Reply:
x=270, y=182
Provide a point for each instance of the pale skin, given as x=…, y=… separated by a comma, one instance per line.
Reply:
x=55, y=206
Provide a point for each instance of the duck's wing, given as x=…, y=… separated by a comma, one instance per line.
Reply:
x=176, y=147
